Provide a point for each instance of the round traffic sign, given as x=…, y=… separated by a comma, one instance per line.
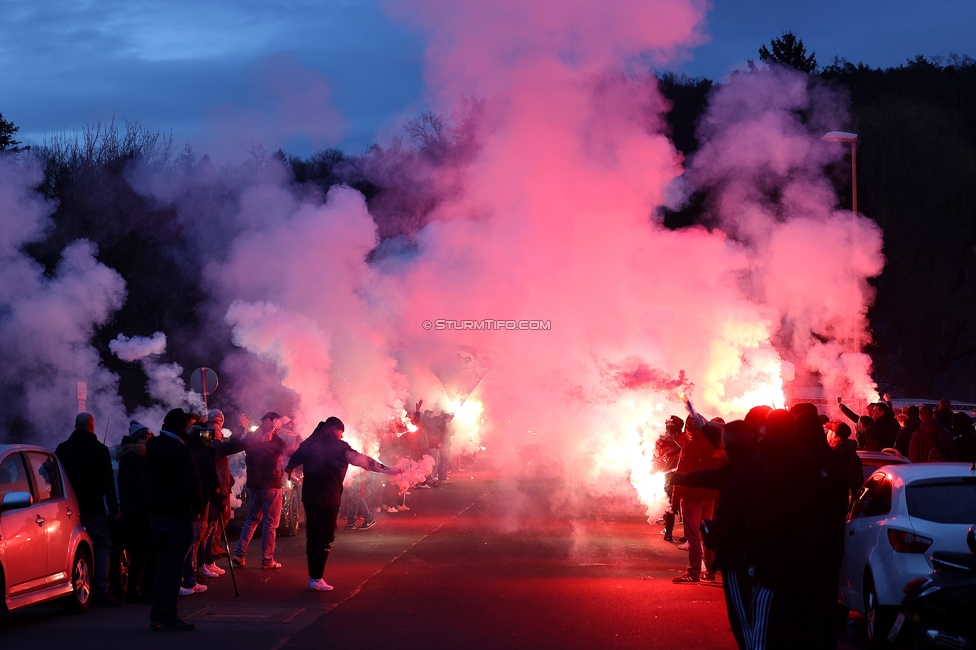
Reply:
x=204, y=381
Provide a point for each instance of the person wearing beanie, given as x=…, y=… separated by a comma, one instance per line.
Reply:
x=325, y=457
x=223, y=449
x=175, y=502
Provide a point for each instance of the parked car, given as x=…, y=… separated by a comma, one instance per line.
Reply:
x=871, y=461
x=902, y=514
x=45, y=553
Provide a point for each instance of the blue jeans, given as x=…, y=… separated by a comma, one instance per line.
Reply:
x=97, y=528
x=443, y=461
x=353, y=505
x=262, y=505
x=189, y=564
x=173, y=538
x=208, y=531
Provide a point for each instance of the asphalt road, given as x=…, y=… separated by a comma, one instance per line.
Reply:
x=480, y=562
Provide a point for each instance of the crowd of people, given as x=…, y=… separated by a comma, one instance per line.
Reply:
x=752, y=495
x=756, y=494
x=173, y=498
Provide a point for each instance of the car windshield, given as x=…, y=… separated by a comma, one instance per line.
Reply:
x=943, y=501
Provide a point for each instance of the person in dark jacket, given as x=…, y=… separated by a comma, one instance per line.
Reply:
x=134, y=503
x=175, y=502
x=88, y=464
x=823, y=501
x=962, y=438
x=223, y=449
x=794, y=539
x=325, y=457
x=886, y=427
x=667, y=450
x=847, y=450
x=728, y=534
x=200, y=441
x=903, y=441
x=264, y=453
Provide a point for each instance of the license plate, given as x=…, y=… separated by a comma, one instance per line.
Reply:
x=896, y=628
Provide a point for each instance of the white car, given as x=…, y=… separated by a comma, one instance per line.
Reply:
x=45, y=553
x=902, y=515
x=872, y=461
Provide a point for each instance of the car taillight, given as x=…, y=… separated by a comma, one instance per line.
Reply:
x=906, y=542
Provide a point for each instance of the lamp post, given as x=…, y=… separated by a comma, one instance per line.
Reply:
x=843, y=136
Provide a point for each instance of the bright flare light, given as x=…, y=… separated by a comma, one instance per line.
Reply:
x=467, y=422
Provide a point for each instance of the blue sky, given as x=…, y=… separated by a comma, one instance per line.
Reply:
x=186, y=66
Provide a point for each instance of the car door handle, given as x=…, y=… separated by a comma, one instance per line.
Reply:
x=69, y=512
x=40, y=520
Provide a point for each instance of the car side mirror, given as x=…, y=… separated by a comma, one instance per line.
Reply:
x=15, y=500
x=971, y=540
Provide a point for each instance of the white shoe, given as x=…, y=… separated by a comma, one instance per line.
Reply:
x=216, y=569
x=199, y=588
x=402, y=508
x=207, y=572
x=318, y=585
x=186, y=591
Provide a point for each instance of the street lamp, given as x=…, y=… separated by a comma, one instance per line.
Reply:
x=843, y=136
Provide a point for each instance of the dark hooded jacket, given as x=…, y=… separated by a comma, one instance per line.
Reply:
x=133, y=489
x=324, y=461
x=886, y=429
x=903, y=441
x=205, y=458
x=963, y=438
x=172, y=477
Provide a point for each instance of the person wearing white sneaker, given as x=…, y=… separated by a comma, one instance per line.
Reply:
x=195, y=589
x=213, y=568
x=207, y=572
x=325, y=458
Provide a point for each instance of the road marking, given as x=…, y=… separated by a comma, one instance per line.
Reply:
x=258, y=615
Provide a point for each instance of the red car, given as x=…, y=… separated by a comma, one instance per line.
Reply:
x=45, y=553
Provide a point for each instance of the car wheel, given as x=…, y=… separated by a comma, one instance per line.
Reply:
x=879, y=618
x=81, y=583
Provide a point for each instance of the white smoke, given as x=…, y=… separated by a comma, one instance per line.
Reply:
x=47, y=320
x=137, y=347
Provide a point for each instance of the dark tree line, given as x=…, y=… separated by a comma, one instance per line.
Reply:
x=916, y=179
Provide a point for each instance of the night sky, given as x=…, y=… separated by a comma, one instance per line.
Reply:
x=221, y=71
